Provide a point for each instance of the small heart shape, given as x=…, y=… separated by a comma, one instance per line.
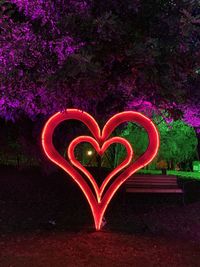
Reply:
x=100, y=151
x=98, y=208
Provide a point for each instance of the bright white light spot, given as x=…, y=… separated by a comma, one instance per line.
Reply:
x=89, y=152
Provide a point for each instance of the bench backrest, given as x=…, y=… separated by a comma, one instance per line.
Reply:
x=158, y=179
x=152, y=183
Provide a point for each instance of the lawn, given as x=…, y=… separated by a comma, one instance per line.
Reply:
x=96, y=249
x=182, y=174
x=45, y=221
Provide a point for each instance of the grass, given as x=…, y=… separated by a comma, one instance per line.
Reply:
x=96, y=250
x=140, y=231
x=181, y=174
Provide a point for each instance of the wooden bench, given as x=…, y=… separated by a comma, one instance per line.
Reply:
x=153, y=184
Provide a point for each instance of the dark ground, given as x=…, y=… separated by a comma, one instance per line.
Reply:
x=45, y=221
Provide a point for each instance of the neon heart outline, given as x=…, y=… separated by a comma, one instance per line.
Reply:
x=98, y=209
x=100, y=151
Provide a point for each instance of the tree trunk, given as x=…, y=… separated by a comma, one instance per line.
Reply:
x=198, y=145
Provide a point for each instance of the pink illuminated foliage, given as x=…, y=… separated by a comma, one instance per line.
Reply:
x=100, y=56
x=192, y=116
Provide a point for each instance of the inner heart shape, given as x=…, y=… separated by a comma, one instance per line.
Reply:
x=100, y=151
x=99, y=203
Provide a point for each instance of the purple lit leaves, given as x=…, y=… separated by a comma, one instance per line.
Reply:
x=96, y=55
x=27, y=61
x=49, y=11
x=36, y=9
x=192, y=116
x=16, y=44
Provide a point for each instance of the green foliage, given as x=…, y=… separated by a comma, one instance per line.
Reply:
x=178, y=142
x=138, y=139
x=181, y=174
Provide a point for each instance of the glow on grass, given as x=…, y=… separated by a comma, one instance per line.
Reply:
x=181, y=174
x=99, y=203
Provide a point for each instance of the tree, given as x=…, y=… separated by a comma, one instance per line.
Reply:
x=178, y=142
x=100, y=56
x=97, y=55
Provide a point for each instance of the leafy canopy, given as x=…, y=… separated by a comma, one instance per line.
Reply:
x=101, y=56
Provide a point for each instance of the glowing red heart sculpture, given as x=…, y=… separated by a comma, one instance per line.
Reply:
x=98, y=205
x=100, y=150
